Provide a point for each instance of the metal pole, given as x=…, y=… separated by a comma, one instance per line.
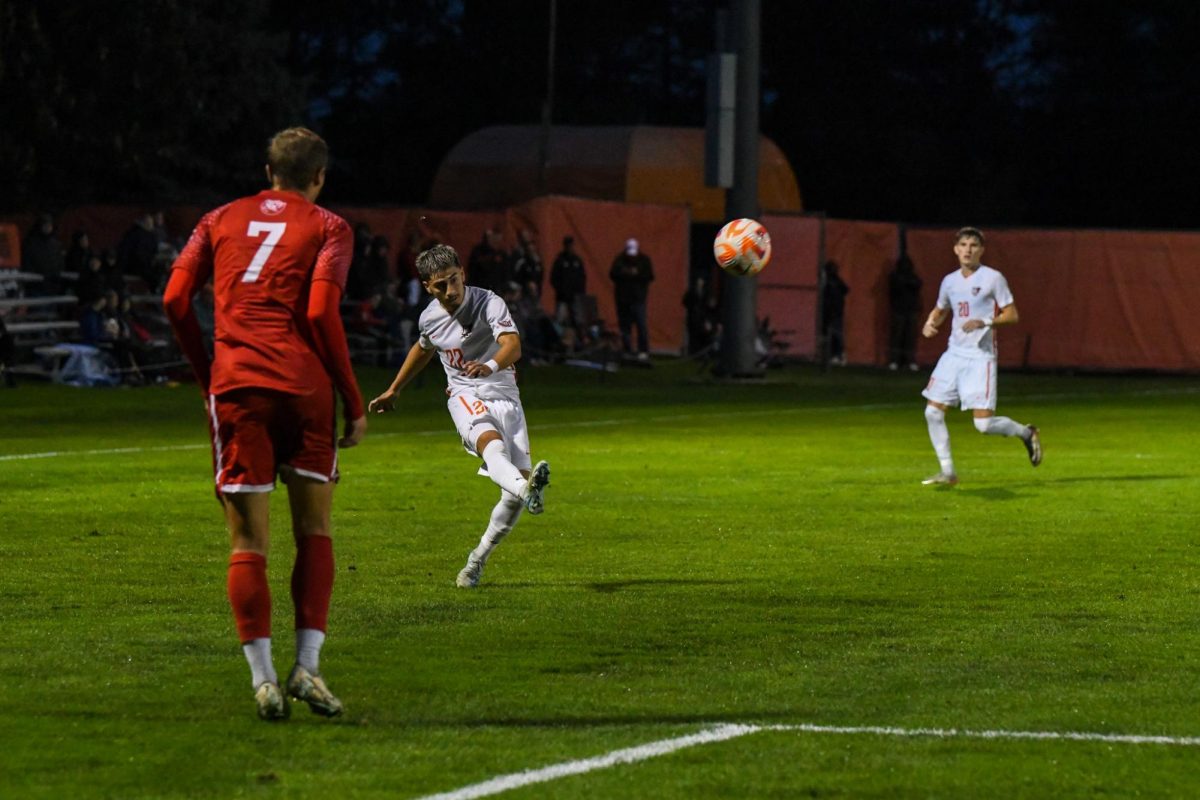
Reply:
x=738, y=358
x=548, y=102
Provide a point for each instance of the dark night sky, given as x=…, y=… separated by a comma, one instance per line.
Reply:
x=1017, y=112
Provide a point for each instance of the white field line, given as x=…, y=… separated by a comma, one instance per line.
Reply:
x=720, y=733
x=595, y=423
x=629, y=755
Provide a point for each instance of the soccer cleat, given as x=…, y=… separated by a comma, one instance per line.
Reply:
x=539, y=479
x=1033, y=445
x=272, y=706
x=304, y=685
x=468, y=577
x=941, y=479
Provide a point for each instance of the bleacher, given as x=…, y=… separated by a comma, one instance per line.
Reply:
x=44, y=328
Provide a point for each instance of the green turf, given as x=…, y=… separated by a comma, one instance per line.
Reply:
x=754, y=553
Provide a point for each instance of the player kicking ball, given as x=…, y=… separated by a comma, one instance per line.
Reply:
x=965, y=375
x=472, y=331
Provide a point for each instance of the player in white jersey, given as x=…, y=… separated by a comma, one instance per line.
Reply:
x=965, y=375
x=472, y=331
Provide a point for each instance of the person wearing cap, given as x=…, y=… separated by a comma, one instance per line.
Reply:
x=632, y=273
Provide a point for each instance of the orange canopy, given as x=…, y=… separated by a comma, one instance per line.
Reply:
x=498, y=166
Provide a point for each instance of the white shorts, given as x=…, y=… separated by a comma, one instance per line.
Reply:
x=473, y=416
x=969, y=383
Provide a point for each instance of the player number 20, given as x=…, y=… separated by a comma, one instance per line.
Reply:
x=964, y=309
x=274, y=232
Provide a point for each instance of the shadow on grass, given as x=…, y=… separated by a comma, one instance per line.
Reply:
x=1009, y=491
x=608, y=587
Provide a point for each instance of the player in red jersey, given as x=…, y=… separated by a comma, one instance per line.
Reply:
x=278, y=265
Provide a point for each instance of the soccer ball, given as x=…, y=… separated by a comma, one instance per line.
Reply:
x=742, y=247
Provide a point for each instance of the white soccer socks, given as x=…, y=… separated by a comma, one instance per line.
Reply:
x=504, y=516
x=258, y=655
x=939, y=436
x=1000, y=426
x=308, y=648
x=501, y=470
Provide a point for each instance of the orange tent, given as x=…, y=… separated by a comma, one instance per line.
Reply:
x=497, y=167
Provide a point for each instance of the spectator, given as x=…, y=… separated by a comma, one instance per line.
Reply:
x=904, y=301
x=527, y=268
x=42, y=253
x=91, y=283
x=488, y=267
x=113, y=278
x=631, y=274
x=699, y=326
x=137, y=253
x=406, y=260
x=378, y=266
x=358, y=282
x=6, y=356
x=833, y=314
x=78, y=254
x=569, y=280
x=92, y=322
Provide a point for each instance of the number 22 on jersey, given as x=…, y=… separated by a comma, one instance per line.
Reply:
x=274, y=232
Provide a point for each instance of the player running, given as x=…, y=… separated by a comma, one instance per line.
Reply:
x=278, y=264
x=965, y=375
x=478, y=343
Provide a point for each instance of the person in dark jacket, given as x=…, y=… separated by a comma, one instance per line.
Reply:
x=569, y=279
x=632, y=273
x=904, y=302
x=42, y=253
x=833, y=313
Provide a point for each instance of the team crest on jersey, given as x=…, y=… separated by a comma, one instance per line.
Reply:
x=272, y=206
x=975, y=290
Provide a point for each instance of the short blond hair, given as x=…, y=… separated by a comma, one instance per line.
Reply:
x=295, y=156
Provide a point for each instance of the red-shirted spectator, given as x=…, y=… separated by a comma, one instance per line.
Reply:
x=278, y=264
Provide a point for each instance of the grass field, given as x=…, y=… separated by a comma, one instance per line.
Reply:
x=759, y=554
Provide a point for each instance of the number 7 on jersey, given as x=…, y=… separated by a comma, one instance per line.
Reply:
x=274, y=232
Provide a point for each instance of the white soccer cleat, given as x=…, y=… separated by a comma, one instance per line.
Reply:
x=941, y=479
x=304, y=685
x=539, y=479
x=468, y=576
x=272, y=706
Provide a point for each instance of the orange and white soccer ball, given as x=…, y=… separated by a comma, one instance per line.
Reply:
x=742, y=247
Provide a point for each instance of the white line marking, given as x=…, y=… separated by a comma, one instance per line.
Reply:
x=629, y=755
x=955, y=733
x=662, y=747
x=596, y=423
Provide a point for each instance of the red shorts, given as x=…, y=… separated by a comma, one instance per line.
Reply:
x=258, y=432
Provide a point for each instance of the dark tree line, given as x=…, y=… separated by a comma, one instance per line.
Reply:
x=999, y=111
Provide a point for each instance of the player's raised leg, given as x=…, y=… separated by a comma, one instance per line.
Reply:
x=248, y=516
x=312, y=586
x=939, y=436
x=504, y=516
x=988, y=423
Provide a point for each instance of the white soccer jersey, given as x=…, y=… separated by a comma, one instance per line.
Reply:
x=974, y=297
x=470, y=335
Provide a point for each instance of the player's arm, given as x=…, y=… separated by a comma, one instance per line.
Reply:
x=934, y=321
x=508, y=354
x=189, y=272
x=416, y=360
x=325, y=321
x=329, y=338
x=1007, y=316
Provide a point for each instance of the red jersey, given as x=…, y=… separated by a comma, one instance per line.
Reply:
x=264, y=253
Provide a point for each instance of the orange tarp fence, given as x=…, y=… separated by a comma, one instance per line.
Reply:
x=600, y=229
x=787, y=288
